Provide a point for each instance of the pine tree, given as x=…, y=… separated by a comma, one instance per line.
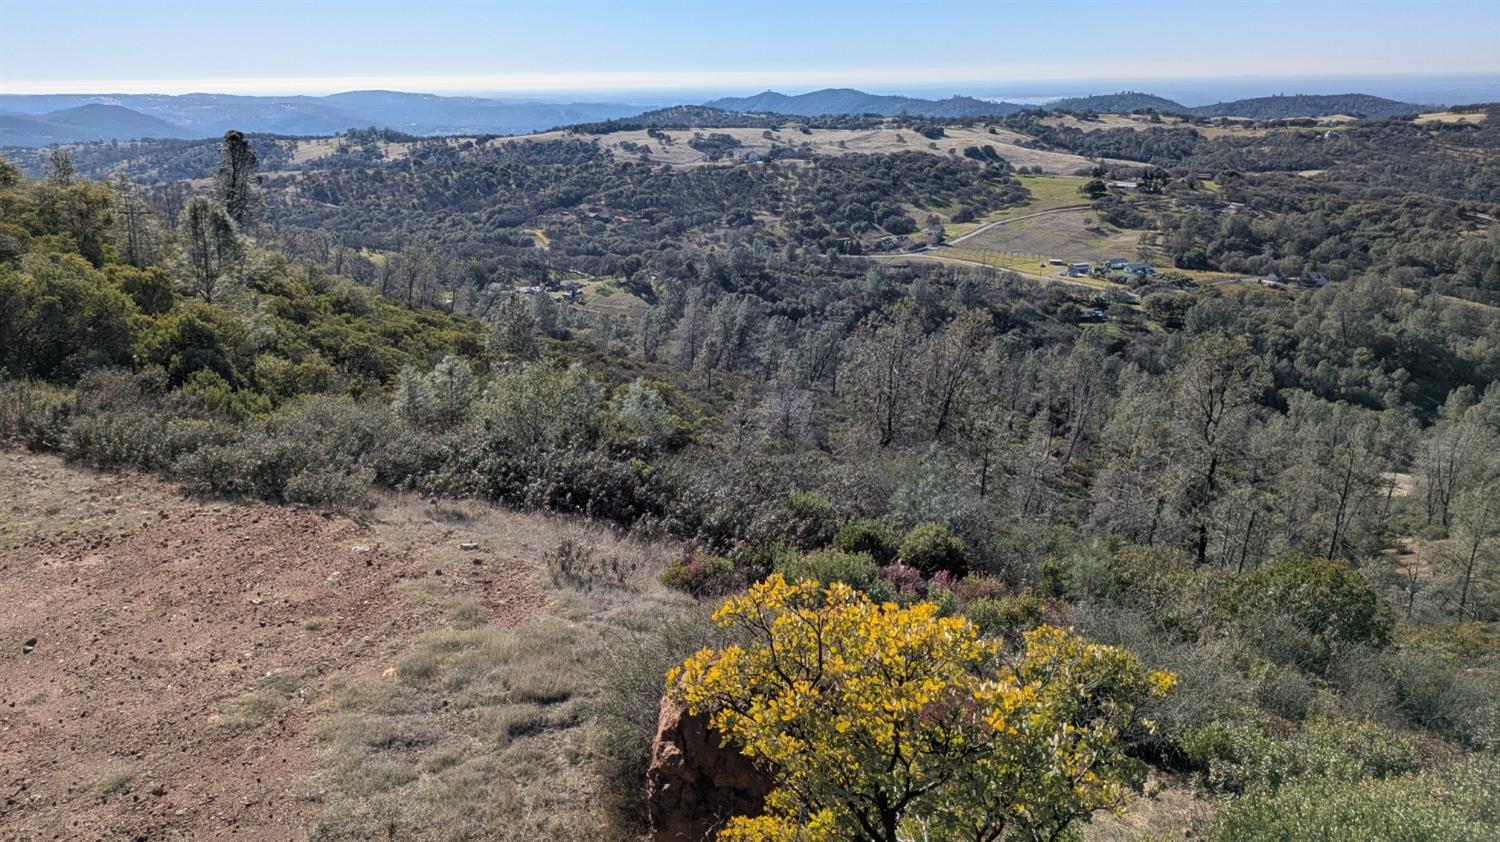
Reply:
x=239, y=189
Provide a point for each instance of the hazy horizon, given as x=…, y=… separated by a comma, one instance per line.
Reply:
x=619, y=51
x=1189, y=91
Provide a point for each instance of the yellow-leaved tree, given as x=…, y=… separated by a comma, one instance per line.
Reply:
x=884, y=723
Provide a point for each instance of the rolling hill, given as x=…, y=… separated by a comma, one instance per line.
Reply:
x=31, y=120
x=1308, y=105
x=39, y=120
x=1123, y=102
x=850, y=101
x=83, y=123
x=831, y=101
x=1278, y=107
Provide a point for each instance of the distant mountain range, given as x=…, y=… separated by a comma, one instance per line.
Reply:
x=61, y=118
x=850, y=101
x=69, y=118
x=1259, y=108
x=84, y=122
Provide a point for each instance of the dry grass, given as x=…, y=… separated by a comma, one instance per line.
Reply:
x=1236, y=127
x=1048, y=192
x=837, y=142
x=114, y=782
x=1069, y=235
x=1453, y=117
x=482, y=730
x=1169, y=809
x=609, y=298
x=477, y=735
x=314, y=149
x=274, y=695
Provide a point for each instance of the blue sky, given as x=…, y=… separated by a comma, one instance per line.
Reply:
x=535, y=48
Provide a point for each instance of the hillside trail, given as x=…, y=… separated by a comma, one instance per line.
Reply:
x=159, y=656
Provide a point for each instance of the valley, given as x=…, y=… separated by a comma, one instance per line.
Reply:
x=702, y=426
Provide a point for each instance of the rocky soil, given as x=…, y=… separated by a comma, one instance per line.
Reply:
x=159, y=655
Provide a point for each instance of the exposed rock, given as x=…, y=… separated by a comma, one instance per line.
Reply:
x=694, y=785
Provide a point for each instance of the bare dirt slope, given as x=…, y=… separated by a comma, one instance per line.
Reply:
x=158, y=655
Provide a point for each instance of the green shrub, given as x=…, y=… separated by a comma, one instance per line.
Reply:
x=1244, y=755
x=700, y=575
x=33, y=413
x=1301, y=609
x=220, y=470
x=129, y=438
x=1281, y=690
x=945, y=600
x=329, y=489
x=757, y=560
x=856, y=570
x=1458, y=804
x=874, y=538
x=810, y=519
x=1006, y=615
x=60, y=317
x=1435, y=691
x=640, y=419
x=578, y=480
x=931, y=548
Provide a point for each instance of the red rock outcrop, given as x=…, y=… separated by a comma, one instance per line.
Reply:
x=694, y=785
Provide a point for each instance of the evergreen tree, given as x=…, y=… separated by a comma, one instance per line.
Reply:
x=238, y=187
x=211, y=246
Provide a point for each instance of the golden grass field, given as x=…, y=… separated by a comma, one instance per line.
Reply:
x=1072, y=235
x=835, y=142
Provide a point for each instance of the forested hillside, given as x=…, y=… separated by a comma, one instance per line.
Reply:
x=1279, y=107
x=1409, y=199
x=1239, y=541
x=848, y=101
x=1308, y=105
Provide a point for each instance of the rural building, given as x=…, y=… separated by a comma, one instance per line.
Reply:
x=1140, y=270
x=1115, y=264
x=1313, y=280
x=1078, y=270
